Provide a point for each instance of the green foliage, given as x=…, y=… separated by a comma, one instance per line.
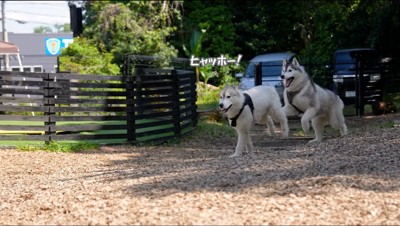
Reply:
x=207, y=73
x=208, y=129
x=54, y=146
x=57, y=28
x=66, y=27
x=207, y=99
x=134, y=27
x=83, y=57
x=226, y=74
x=195, y=44
x=42, y=30
x=217, y=19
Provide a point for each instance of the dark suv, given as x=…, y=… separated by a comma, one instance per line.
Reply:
x=348, y=63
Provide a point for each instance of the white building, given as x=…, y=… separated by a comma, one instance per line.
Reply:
x=38, y=51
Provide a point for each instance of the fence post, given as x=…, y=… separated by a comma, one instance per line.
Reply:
x=258, y=74
x=49, y=104
x=130, y=110
x=176, y=106
x=359, y=86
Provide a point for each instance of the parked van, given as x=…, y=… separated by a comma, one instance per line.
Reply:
x=271, y=69
x=344, y=76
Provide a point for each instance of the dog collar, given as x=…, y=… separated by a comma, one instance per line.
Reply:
x=247, y=101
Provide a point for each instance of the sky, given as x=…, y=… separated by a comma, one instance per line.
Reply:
x=33, y=14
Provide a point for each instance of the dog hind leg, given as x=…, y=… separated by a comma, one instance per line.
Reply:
x=337, y=121
x=278, y=115
x=271, y=126
x=318, y=124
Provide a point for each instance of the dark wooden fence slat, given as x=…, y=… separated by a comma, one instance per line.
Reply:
x=88, y=101
x=19, y=137
x=88, y=136
x=155, y=132
x=90, y=109
x=90, y=118
x=89, y=127
x=22, y=128
x=97, y=85
x=67, y=76
x=22, y=118
x=12, y=100
x=155, y=123
x=22, y=91
x=23, y=108
x=93, y=93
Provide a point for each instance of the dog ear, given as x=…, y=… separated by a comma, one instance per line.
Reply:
x=284, y=63
x=295, y=62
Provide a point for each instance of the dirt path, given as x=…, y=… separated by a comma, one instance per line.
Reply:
x=349, y=180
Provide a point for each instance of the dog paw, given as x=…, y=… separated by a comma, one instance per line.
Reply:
x=235, y=155
x=315, y=141
x=305, y=127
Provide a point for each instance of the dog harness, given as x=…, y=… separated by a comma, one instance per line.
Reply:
x=247, y=101
x=290, y=96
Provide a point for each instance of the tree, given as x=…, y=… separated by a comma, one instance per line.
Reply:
x=195, y=47
x=42, y=29
x=83, y=57
x=136, y=27
x=59, y=28
x=216, y=17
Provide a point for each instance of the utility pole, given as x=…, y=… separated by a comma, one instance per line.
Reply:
x=5, y=34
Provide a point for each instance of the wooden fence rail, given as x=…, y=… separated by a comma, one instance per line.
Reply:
x=151, y=106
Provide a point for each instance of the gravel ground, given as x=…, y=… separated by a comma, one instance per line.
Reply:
x=348, y=180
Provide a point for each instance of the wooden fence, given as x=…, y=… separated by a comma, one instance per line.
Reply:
x=152, y=106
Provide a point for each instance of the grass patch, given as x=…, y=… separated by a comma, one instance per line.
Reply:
x=55, y=146
x=207, y=99
x=214, y=129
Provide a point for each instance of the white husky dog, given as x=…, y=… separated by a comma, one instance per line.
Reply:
x=318, y=105
x=256, y=105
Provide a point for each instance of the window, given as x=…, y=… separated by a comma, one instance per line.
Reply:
x=37, y=68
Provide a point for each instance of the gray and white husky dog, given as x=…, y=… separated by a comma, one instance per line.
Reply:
x=260, y=104
x=318, y=105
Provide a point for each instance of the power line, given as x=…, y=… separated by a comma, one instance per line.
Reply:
x=43, y=3
x=33, y=22
x=38, y=14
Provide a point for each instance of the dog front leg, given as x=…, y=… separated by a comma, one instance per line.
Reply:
x=240, y=146
x=243, y=138
x=306, y=118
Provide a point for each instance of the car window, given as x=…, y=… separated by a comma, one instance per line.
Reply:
x=250, y=70
x=272, y=68
x=269, y=69
x=344, y=62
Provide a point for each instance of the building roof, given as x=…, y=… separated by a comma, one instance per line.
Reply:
x=7, y=47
